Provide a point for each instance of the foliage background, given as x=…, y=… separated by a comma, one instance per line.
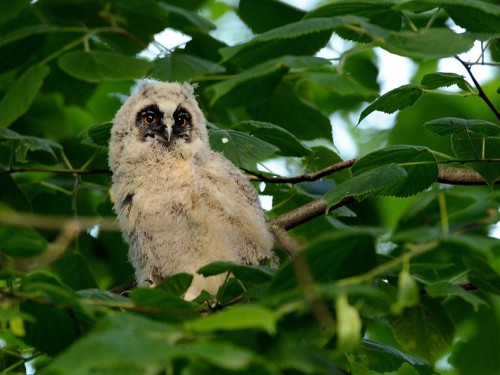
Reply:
x=403, y=273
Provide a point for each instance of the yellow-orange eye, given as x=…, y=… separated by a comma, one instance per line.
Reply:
x=149, y=118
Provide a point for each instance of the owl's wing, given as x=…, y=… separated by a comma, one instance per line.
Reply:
x=232, y=182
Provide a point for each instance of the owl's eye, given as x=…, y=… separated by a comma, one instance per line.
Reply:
x=182, y=118
x=149, y=118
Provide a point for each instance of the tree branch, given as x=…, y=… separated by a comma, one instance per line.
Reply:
x=480, y=90
x=55, y=170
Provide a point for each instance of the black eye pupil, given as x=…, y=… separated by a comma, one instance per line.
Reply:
x=181, y=119
x=149, y=118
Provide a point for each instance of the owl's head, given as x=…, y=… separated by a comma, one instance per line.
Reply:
x=162, y=113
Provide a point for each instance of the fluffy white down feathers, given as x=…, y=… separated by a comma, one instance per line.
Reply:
x=180, y=205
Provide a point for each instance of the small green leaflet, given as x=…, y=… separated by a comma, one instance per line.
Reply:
x=425, y=330
x=19, y=97
x=246, y=273
x=446, y=289
x=485, y=150
x=236, y=318
x=97, y=66
x=395, y=100
x=420, y=166
x=452, y=125
x=370, y=182
x=242, y=149
x=99, y=134
x=24, y=144
x=288, y=144
x=428, y=43
x=435, y=80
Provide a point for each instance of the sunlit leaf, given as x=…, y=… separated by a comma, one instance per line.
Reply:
x=425, y=330
x=236, y=318
x=99, y=66
x=19, y=97
x=244, y=272
x=420, y=166
x=428, y=43
x=436, y=80
x=452, y=125
x=288, y=144
x=24, y=144
x=395, y=100
x=446, y=289
x=242, y=149
x=366, y=183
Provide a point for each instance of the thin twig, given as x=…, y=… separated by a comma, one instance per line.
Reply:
x=55, y=170
x=480, y=90
x=312, y=176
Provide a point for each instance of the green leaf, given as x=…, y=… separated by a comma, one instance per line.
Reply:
x=245, y=273
x=97, y=66
x=475, y=16
x=420, y=166
x=447, y=289
x=348, y=324
x=435, y=80
x=11, y=194
x=424, y=331
x=452, y=125
x=99, y=134
x=10, y=10
x=176, y=284
x=24, y=144
x=119, y=339
x=375, y=356
x=428, y=43
x=377, y=12
x=482, y=274
x=288, y=144
x=74, y=271
x=250, y=87
x=181, y=67
x=304, y=37
x=242, y=149
x=236, y=318
x=295, y=114
x=26, y=31
x=370, y=182
x=221, y=354
x=333, y=256
x=263, y=15
x=394, y=100
x=21, y=242
x=470, y=146
x=19, y=97
x=186, y=21
x=163, y=304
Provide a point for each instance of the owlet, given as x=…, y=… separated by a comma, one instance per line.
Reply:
x=180, y=205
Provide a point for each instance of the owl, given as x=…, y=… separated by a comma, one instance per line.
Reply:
x=180, y=205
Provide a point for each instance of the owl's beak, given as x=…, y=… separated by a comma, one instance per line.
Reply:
x=164, y=133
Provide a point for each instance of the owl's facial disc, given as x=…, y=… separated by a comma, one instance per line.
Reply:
x=152, y=124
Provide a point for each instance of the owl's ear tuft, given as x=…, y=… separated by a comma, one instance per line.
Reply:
x=188, y=88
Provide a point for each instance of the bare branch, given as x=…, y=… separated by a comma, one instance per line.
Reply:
x=459, y=176
x=52, y=222
x=480, y=90
x=55, y=170
x=306, y=213
x=313, y=176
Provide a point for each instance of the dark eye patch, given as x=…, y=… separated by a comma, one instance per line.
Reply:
x=182, y=117
x=149, y=115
